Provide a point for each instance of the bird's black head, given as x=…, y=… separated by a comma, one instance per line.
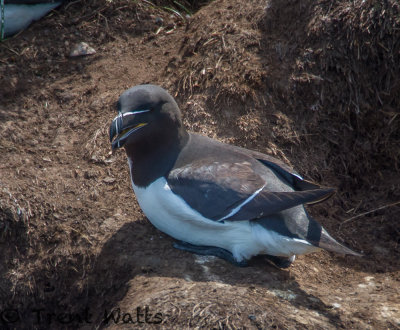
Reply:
x=144, y=112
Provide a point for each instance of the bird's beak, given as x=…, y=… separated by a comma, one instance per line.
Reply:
x=122, y=127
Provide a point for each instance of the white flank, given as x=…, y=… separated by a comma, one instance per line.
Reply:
x=279, y=245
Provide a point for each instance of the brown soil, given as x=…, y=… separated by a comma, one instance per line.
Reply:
x=313, y=84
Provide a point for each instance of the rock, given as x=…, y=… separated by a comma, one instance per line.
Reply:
x=81, y=49
x=109, y=180
x=159, y=21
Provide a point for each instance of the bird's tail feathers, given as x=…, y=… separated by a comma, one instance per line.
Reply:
x=328, y=243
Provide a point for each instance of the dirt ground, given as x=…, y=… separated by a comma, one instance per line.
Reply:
x=282, y=77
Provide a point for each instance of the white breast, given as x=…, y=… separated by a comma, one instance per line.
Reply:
x=172, y=215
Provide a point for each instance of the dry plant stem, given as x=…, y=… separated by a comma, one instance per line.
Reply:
x=368, y=212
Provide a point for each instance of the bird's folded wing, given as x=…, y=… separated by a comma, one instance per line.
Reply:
x=286, y=173
x=233, y=191
x=266, y=203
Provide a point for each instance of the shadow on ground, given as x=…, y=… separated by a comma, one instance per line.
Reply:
x=137, y=248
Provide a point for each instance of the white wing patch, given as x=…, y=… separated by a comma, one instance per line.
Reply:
x=296, y=175
x=248, y=200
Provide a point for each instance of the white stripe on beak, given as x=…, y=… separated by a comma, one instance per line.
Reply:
x=121, y=115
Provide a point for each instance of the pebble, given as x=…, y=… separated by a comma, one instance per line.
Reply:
x=159, y=21
x=109, y=180
x=81, y=49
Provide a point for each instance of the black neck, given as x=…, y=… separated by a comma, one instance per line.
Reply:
x=154, y=157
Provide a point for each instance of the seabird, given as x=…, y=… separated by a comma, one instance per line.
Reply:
x=214, y=198
x=17, y=15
